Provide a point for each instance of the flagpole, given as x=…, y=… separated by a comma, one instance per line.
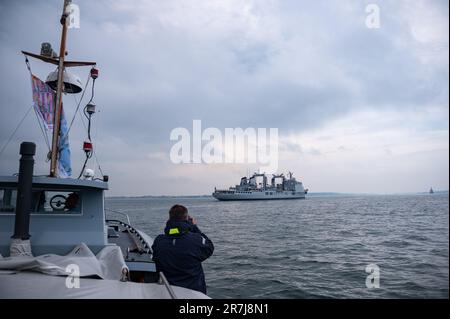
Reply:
x=58, y=102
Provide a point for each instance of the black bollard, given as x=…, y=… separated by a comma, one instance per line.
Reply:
x=24, y=191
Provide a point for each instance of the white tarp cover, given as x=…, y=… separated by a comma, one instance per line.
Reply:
x=47, y=276
x=20, y=247
x=32, y=285
x=107, y=264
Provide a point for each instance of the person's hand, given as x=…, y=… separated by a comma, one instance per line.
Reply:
x=192, y=220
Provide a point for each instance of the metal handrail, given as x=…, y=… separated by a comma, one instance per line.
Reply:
x=163, y=280
x=120, y=213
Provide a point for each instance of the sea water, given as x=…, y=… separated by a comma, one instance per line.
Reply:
x=319, y=247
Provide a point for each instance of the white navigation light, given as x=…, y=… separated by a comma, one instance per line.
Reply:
x=88, y=174
x=72, y=84
x=90, y=108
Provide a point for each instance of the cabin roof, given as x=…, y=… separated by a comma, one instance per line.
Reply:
x=66, y=183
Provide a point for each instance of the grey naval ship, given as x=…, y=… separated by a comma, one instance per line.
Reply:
x=250, y=189
x=57, y=238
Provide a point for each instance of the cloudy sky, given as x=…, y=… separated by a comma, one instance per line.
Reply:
x=358, y=109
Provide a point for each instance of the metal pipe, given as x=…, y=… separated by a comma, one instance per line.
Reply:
x=164, y=281
x=24, y=191
x=120, y=213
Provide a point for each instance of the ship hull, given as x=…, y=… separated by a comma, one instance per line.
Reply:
x=257, y=196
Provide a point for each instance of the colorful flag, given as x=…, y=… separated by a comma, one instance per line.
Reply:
x=64, y=167
x=43, y=99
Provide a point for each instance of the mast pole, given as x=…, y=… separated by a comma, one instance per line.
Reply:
x=58, y=102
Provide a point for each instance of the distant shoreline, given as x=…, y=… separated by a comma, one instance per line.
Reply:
x=318, y=194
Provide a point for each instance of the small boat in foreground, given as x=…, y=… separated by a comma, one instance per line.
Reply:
x=56, y=240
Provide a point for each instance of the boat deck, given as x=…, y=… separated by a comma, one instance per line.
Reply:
x=136, y=249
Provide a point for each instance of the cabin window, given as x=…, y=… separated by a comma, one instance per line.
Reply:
x=57, y=202
x=8, y=199
x=43, y=201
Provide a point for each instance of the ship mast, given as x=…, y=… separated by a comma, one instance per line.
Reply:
x=49, y=57
x=58, y=102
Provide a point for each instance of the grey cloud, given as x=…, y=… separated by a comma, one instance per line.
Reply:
x=306, y=64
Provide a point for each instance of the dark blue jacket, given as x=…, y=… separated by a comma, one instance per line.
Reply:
x=179, y=254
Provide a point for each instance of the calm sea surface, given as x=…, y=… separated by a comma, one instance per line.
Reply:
x=315, y=248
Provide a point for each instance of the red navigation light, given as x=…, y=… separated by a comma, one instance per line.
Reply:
x=87, y=147
x=94, y=73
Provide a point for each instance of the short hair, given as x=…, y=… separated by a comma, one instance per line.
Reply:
x=72, y=200
x=178, y=212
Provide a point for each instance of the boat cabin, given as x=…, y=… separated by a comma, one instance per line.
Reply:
x=63, y=213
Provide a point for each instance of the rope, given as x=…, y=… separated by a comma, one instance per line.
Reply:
x=43, y=130
x=88, y=115
x=94, y=153
x=84, y=165
x=98, y=163
x=78, y=106
x=28, y=64
x=15, y=130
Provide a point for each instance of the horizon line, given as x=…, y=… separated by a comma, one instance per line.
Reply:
x=312, y=193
